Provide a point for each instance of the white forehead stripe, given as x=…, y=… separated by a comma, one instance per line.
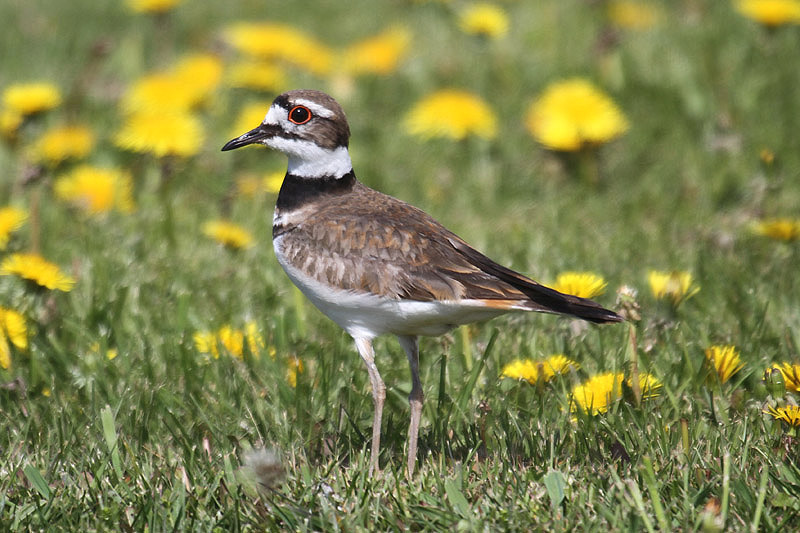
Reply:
x=315, y=108
x=274, y=114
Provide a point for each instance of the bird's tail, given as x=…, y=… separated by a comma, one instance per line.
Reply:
x=540, y=297
x=550, y=300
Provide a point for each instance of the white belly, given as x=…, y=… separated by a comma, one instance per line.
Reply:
x=369, y=315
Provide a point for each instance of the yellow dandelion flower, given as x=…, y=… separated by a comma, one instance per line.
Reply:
x=596, y=394
x=96, y=190
x=273, y=181
x=771, y=12
x=258, y=75
x=767, y=156
x=789, y=414
x=573, y=113
x=60, y=144
x=453, y=114
x=278, y=41
x=255, y=341
x=10, y=121
x=295, y=367
x=162, y=91
x=5, y=352
x=251, y=185
x=206, y=342
x=649, y=385
x=724, y=360
x=14, y=327
x=583, y=284
x=251, y=113
x=633, y=14
x=484, y=19
x=36, y=269
x=202, y=71
x=675, y=286
x=379, y=54
x=152, y=6
x=232, y=340
x=30, y=98
x=11, y=219
x=791, y=375
x=228, y=234
x=782, y=229
x=111, y=353
x=229, y=339
x=161, y=133
x=544, y=370
x=248, y=185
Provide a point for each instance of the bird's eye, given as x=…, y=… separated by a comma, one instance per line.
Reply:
x=299, y=114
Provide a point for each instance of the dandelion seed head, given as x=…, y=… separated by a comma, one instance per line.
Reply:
x=266, y=466
x=627, y=303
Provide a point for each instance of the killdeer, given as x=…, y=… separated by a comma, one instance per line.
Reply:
x=377, y=265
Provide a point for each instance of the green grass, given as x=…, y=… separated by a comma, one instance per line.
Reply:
x=156, y=438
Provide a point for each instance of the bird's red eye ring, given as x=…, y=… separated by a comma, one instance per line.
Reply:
x=299, y=114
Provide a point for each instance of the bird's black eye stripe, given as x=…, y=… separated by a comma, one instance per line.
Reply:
x=299, y=114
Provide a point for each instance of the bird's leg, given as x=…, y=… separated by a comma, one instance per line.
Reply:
x=411, y=346
x=364, y=346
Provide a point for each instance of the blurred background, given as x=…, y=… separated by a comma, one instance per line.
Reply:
x=648, y=146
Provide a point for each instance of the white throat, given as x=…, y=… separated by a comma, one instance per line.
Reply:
x=316, y=162
x=306, y=158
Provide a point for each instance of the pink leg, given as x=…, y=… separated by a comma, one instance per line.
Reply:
x=411, y=346
x=364, y=346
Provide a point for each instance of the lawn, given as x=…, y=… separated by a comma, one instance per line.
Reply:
x=170, y=377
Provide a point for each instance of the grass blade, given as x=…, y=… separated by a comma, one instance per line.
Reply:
x=37, y=481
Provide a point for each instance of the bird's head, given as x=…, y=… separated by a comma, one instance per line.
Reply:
x=310, y=128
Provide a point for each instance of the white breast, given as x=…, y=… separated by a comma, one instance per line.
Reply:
x=369, y=315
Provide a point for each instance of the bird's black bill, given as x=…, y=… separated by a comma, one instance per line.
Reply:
x=251, y=137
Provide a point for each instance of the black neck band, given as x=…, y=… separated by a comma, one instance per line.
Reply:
x=297, y=191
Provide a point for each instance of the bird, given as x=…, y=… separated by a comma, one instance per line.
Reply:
x=374, y=264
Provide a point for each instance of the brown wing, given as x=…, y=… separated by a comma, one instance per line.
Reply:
x=368, y=241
